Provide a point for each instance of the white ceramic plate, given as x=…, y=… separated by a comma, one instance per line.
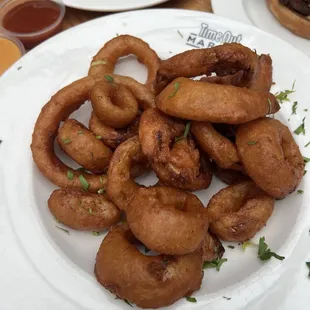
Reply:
x=257, y=13
x=28, y=236
x=111, y=5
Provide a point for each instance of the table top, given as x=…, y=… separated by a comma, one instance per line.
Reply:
x=75, y=17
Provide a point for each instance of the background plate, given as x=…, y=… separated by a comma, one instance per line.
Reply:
x=257, y=13
x=111, y=5
x=35, y=254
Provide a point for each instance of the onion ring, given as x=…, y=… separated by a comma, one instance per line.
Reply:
x=83, y=146
x=58, y=109
x=121, y=188
x=110, y=136
x=218, y=147
x=239, y=211
x=114, y=104
x=270, y=156
x=154, y=216
x=83, y=211
x=201, y=101
x=105, y=60
x=147, y=281
x=212, y=247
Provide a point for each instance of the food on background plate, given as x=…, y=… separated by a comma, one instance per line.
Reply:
x=292, y=14
x=216, y=124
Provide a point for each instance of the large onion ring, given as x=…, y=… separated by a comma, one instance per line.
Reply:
x=147, y=281
x=201, y=101
x=239, y=211
x=105, y=60
x=155, y=214
x=270, y=156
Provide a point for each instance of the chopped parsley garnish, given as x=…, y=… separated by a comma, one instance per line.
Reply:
x=146, y=250
x=231, y=246
x=186, y=132
x=283, y=95
x=306, y=110
x=128, y=303
x=308, y=265
x=216, y=263
x=227, y=298
x=264, y=253
x=109, y=78
x=307, y=144
x=97, y=233
x=247, y=244
x=84, y=183
x=101, y=191
x=98, y=62
x=300, y=191
x=181, y=35
x=66, y=140
x=99, y=137
x=64, y=230
x=252, y=143
x=294, y=107
x=176, y=88
x=70, y=175
x=305, y=171
x=306, y=159
x=301, y=128
x=191, y=299
x=19, y=68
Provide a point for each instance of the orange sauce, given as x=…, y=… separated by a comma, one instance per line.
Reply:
x=9, y=53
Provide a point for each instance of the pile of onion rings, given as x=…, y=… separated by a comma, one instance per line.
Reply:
x=183, y=129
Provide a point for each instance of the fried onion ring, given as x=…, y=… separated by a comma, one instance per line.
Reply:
x=110, y=136
x=239, y=211
x=270, y=156
x=214, y=103
x=58, y=109
x=179, y=166
x=155, y=214
x=83, y=146
x=114, y=104
x=218, y=147
x=147, y=281
x=212, y=247
x=82, y=210
x=121, y=188
x=105, y=60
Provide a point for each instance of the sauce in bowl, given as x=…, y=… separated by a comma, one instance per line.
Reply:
x=32, y=21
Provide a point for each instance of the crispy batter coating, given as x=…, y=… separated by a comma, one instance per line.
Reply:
x=121, y=187
x=167, y=220
x=147, y=281
x=239, y=211
x=219, y=148
x=201, y=101
x=230, y=176
x=82, y=210
x=178, y=164
x=270, y=156
x=212, y=247
x=114, y=104
x=105, y=60
x=83, y=146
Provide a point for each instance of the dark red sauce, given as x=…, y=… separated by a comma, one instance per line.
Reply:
x=31, y=16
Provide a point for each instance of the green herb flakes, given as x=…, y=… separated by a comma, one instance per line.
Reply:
x=70, y=175
x=97, y=233
x=64, y=230
x=301, y=128
x=191, y=299
x=252, y=143
x=186, y=132
x=176, y=88
x=66, y=140
x=128, y=303
x=84, y=183
x=294, y=107
x=306, y=159
x=216, y=263
x=247, y=244
x=283, y=95
x=109, y=78
x=99, y=137
x=227, y=298
x=181, y=35
x=308, y=265
x=300, y=191
x=264, y=253
x=231, y=246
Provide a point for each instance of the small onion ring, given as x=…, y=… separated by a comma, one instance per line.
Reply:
x=239, y=211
